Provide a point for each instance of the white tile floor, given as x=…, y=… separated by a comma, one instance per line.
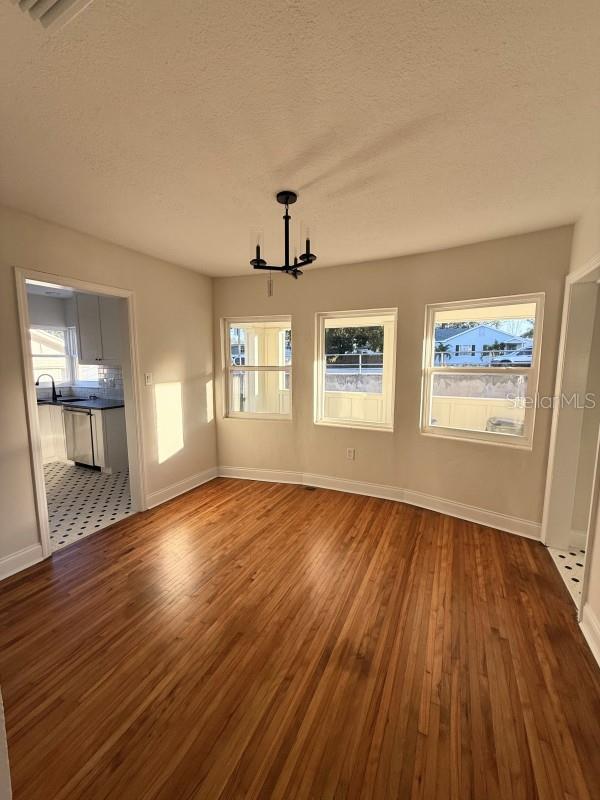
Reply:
x=82, y=501
x=570, y=565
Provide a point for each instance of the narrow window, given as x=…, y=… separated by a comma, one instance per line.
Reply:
x=259, y=367
x=355, y=369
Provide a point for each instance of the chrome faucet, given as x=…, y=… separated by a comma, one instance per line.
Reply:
x=55, y=396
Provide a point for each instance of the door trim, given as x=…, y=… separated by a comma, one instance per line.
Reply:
x=584, y=274
x=135, y=446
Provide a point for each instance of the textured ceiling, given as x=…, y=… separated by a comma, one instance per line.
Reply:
x=405, y=126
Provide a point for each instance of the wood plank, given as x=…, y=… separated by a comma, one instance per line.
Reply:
x=252, y=640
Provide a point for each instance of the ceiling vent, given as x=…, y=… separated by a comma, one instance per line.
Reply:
x=55, y=13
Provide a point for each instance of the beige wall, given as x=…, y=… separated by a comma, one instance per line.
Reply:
x=494, y=478
x=173, y=314
x=586, y=235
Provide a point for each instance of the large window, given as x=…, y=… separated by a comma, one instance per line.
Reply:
x=480, y=369
x=355, y=369
x=54, y=352
x=259, y=367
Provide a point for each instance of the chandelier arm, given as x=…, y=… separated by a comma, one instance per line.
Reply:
x=269, y=267
x=289, y=270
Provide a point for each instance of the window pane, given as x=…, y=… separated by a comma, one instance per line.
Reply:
x=260, y=344
x=356, y=384
x=486, y=336
x=259, y=392
x=354, y=359
x=48, y=342
x=492, y=403
x=49, y=354
x=57, y=367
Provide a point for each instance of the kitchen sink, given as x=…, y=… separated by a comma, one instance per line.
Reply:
x=71, y=400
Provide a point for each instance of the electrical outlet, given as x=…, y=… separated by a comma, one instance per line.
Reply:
x=350, y=453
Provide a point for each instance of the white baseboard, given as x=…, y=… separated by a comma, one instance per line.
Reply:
x=380, y=490
x=20, y=560
x=267, y=475
x=481, y=516
x=169, y=492
x=590, y=625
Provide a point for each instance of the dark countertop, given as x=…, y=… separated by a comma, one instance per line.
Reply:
x=101, y=404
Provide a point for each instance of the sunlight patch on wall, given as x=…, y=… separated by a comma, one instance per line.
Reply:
x=169, y=419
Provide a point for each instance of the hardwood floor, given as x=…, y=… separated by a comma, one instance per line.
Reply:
x=254, y=640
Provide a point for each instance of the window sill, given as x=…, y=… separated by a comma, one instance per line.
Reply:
x=266, y=417
x=463, y=436
x=327, y=423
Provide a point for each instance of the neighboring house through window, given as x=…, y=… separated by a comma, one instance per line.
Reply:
x=476, y=344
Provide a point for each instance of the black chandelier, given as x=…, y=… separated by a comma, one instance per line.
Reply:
x=286, y=198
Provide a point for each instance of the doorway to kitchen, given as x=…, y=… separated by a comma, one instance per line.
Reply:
x=79, y=356
x=571, y=501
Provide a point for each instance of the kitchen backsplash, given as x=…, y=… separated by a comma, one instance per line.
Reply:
x=110, y=386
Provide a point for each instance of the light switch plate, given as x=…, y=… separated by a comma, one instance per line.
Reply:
x=148, y=378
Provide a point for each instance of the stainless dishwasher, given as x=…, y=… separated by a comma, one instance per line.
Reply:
x=79, y=436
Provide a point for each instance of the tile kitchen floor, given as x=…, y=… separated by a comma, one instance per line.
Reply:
x=570, y=565
x=82, y=501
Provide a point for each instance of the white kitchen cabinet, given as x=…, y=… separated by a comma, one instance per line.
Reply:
x=58, y=433
x=52, y=433
x=45, y=433
x=111, y=329
x=87, y=326
x=98, y=329
x=110, y=439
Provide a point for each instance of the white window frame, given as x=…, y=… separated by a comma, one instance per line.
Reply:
x=389, y=369
x=228, y=368
x=430, y=369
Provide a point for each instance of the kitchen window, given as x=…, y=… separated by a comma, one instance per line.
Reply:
x=480, y=369
x=49, y=354
x=54, y=352
x=258, y=353
x=355, y=369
